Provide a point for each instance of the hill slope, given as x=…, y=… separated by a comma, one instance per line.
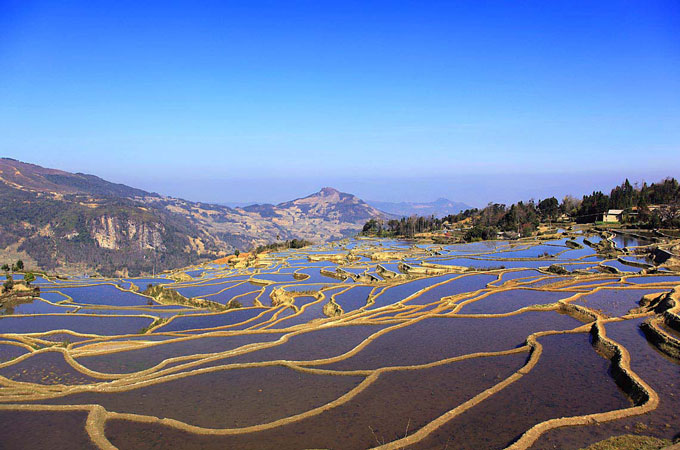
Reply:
x=53, y=218
x=31, y=177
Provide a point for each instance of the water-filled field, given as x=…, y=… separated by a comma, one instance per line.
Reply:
x=357, y=344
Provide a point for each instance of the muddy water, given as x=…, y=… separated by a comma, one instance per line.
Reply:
x=512, y=300
x=9, y=352
x=577, y=253
x=319, y=344
x=143, y=283
x=139, y=311
x=468, y=283
x=654, y=279
x=378, y=414
x=622, y=240
x=207, y=289
x=476, y=247
x=56, y=430
x=64, y=338
x=243, y=397
x=104, y=295
x=226, y=295
x=35, y=307
x=282, y=313
x=307, y=287
x=353, y=299
x=309, y=311
x=482, y=263
x=438, y=338
x=144, y=358
x=531, y=275
x=585, y=284
x=660, y=372
x=46, y=368
x=266, y=317
x=396, y=293
x=81, y=324
x=614, y=302
x=570, y=379
x=277, y=277
x=536, y=251
x=315, y=276
x=548, y=281
x=231, y=317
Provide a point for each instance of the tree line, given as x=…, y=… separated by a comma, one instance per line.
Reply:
x=293, y=243
x=523, y=218
x=635, y=202
x=18, y=266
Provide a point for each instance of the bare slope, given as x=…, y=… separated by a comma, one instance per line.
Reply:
x=57, y=218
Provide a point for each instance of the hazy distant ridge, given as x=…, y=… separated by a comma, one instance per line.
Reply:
x=439, y=208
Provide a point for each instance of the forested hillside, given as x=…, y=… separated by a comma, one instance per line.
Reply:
x=647, y=206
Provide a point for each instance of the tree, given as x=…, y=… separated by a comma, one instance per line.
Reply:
x=669, y=214
x=592, y=207
x=373, y=226
x=624, y=196
x=480, y=232
x=569, y=204
x=29, y=278
x=549, y=208
x=9, y=284
x=5, y=267
x=237, y=252
x=19, y=265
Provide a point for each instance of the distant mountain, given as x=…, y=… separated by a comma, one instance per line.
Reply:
x=439, y=208
x=331, y=204
x=236, y=204
x=52, y=218
x=322, y=216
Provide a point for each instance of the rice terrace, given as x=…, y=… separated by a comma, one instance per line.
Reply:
x=361, y=343
x=340, y=225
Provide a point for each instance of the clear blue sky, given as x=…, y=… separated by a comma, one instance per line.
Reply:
x=265, y=101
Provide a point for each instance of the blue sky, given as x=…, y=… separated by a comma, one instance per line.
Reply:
x=476, y=101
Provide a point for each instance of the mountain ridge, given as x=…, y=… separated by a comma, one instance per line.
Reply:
x=439, y=208
x=55, y=218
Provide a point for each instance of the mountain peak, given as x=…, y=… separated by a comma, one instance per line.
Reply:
x=331, y=205
x=100, y=214
x=328, y=191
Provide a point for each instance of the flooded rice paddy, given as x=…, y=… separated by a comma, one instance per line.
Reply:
x=357, y=344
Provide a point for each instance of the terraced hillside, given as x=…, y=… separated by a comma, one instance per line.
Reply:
x=359, y=344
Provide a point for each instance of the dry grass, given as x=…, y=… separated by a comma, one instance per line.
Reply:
x=630, y=442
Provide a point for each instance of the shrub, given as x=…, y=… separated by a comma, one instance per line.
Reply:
x=234, y=304
x=9, y=284
x=29, y=278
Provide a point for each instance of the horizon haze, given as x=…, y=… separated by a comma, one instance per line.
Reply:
x=256, y=102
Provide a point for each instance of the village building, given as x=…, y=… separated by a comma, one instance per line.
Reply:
x=613, y=215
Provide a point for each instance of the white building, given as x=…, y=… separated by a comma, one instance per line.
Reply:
x=613, y=215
